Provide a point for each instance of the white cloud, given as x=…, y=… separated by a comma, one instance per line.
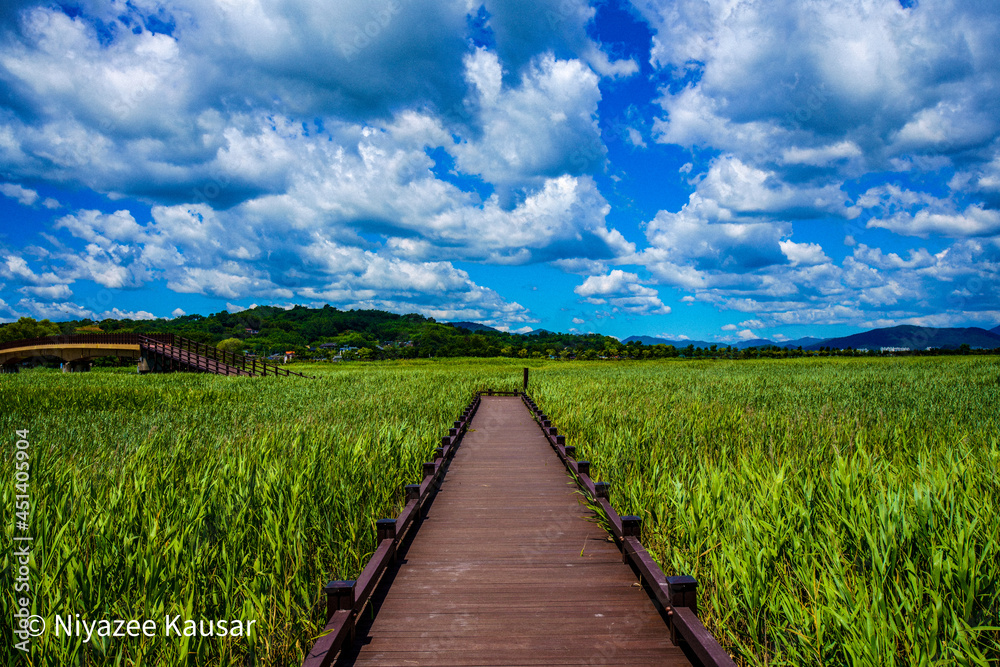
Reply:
x=523, y=29
x=622, y=290
x=24, y=196
x=973, y=221
x=635, y=138
x=545, y=127
x=822, y=155
x=52, y=292
x=117, y=314
x=840, y=85
x=803, y=254
x=179, y=312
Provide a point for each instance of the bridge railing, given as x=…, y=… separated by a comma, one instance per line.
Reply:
x=678, y=594
x=346, y=600
x=85, y=339
x=239, y=361
x=155, y=340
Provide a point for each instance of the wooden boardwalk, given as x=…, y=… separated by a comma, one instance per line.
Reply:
x=509, y=568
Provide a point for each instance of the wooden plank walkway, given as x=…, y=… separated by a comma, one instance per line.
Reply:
x=508, y=568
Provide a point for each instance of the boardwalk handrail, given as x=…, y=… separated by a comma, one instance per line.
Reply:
x=677, y=594
x=86, y=339
x=157, y=342
x=346, y=600
x=251, y=366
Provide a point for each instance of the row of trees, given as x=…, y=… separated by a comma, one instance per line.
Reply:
x=326, y=333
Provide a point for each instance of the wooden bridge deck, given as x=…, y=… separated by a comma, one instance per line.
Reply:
x=508, y=568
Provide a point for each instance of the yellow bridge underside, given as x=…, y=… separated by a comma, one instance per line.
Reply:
x=69, y=351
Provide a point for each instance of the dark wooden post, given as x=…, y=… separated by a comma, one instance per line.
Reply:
x=631, y=527
x=339, y=595
x=525, y=379
x=570, y=452
x=439, y=453
x=683, y=593
x=560, y=439
x=583, y=468
x=385, y=529
x=412, y=492
x=601, y=489
x=428, y=468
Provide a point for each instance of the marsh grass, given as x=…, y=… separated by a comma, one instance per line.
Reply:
x=835, y=511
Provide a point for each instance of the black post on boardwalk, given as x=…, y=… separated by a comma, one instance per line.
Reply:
x=525, y=380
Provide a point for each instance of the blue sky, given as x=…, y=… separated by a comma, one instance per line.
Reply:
x=717, y=169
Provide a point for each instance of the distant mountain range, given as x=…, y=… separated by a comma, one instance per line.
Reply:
x=740, y=345
x=918, y=338
x=476, y=326
x=903, y=336
x=472, y=326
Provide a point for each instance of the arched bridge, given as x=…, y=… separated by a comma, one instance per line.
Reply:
x=154, y=353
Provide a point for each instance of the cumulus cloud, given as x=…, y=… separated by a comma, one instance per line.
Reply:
x=24, y=196
x=623, y=291
x=860, y=70
x=297, y=151
x=523, y=28
x=818, y=93
x=914, y=213
x=545, y=126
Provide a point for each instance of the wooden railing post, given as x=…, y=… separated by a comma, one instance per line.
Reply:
x=339, y=595
x=683, y=593
x=602, y=490
x=583, y=468
x=385, y=529
x=631, y=527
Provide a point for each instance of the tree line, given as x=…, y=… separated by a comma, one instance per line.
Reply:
x=369, y=335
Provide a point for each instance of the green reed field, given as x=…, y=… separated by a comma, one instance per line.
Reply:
x=837, y=511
